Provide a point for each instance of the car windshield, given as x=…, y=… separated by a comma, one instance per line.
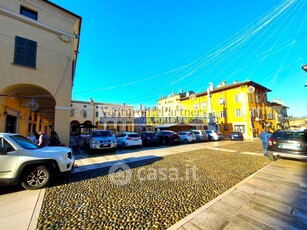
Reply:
x=23, y=142
x=102, y=134
x=291, y=135
x=150, y=134
x=134, y=135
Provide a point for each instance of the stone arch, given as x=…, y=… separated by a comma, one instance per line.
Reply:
x=110, y=125
x=21, y=102
x=74, y=126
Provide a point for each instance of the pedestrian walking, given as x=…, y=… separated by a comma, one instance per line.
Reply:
x=43, y=139
x=264, y=137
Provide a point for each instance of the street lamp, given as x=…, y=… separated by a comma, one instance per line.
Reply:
x=304, y=67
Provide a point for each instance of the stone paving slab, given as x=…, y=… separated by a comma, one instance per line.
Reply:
x=273, y=198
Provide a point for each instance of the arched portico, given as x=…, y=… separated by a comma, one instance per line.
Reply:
x=27, y=108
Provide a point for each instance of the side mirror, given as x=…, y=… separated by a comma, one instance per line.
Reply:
x=3, y=151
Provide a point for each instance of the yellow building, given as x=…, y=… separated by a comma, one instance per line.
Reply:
x=240, y=106
x=152, y=118
x=88, y=115
x=277, y=116
x=39, y=47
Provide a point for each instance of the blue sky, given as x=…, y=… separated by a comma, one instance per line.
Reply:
x=134, y=51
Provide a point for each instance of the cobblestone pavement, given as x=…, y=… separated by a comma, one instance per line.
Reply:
x=152, y=194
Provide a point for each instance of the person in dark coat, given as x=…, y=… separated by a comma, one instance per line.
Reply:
x=54, y=139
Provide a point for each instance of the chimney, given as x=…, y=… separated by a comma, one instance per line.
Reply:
x=223, y=83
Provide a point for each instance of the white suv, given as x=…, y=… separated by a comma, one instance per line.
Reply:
x=127, y=139
x=23, y=162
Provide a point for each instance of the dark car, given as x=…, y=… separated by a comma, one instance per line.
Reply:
x=168, y=137
x=288, y=144
x=236, y=136
x=149, y=138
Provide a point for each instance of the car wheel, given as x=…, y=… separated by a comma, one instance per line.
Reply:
x=92, y=151
x=36, y=178
x=186, y=141
x=271, y=157
x=113, y=150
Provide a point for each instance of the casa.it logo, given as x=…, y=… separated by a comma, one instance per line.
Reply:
x=120, y=174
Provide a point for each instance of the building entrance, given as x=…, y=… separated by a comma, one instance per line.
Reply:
x=10, y=124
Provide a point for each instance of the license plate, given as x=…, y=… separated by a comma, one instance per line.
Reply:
x=175, y=139
x=135, y=139
x=290, y=146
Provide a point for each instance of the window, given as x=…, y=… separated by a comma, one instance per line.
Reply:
x=270, y=116
x=222, y=114
x=250, y=96
x=195, y=105
x=257, y=99
x=28, y=13
x=84, y=106
x=237, y=112
x=25, y=52
x=203, y=104
x=237, y=98
x=5, y=145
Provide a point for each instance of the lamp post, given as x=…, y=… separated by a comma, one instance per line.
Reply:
x=93, y=104
x=304, y=67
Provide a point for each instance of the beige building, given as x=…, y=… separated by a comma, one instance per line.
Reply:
x=39, y=47
x=169, y=109
x=88, y=115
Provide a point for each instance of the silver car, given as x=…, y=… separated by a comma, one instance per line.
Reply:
x=201, y=135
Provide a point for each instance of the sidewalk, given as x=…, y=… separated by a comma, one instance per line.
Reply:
x=275, y=197
x=262, y=200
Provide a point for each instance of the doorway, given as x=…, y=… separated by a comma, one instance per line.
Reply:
x=10, y=124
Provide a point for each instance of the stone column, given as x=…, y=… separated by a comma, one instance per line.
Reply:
x=62, y=123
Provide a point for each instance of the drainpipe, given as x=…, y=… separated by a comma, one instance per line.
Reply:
x=210, y=121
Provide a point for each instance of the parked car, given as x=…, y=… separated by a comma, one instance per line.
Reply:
x=101, y=140
x=236, y=136
x=23, y=162
x=128, y=139
x=288, y=144
x=168, y=137
x=214, y=135
x=201, y=135
x=149, y=138
x=187, y=137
